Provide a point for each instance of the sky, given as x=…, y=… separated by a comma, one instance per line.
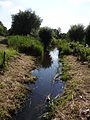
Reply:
x=55, y=13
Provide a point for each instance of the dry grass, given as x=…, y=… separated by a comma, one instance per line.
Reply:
x=12, y=92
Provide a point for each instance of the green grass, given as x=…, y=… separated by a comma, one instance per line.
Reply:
x=26, y=44
x=8, y=54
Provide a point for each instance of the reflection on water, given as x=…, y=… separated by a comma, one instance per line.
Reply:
x=36, y=104
x=46, y=60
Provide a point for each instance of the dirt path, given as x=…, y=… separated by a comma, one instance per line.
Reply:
x=12, y=91
x=75, y=103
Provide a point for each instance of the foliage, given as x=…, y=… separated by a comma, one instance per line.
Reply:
x=3, y=29
x=56, y=33
x=53, y=42
x=26, y=44
x=76, y=32
x=45, y=35
x=81, y=51
x=87, y=32
x=63, y=36
x=64, y=47
x=8, y=54
x=67, y=48
x=24, y=23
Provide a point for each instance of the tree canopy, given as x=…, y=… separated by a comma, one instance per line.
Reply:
x=3, y=29
x=45, y=35
x=24, y=23
x=76, y=32
x=87, y=32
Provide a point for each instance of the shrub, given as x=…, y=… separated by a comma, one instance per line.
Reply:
x=67, y=48
x=64, y=47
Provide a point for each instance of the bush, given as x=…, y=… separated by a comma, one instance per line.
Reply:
x=26, y=44
x=67, y=48
x=64, y=48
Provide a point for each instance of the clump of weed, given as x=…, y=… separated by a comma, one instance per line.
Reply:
x=5, y=56
x=2, y=85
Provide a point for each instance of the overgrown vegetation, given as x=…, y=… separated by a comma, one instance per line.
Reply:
x=5, y=56
x=26, y=44
x=65, y=75
x=66, y=48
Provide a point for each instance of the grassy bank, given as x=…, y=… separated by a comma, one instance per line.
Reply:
x=75, y=100
x=15, y=71
x=74, y=103
x=5, y=56
x=26, y=44
x=12, y=91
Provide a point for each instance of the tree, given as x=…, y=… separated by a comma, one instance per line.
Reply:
x=87, y=33
x=24, y=23
x=63, y=36
x=3, y=29
x=76, y=32
x=45, y=35
x=56, y=33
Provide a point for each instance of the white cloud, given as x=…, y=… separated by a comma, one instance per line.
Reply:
x=6, y=4
x=10, y=7
x=78, y=2
x=15, y=9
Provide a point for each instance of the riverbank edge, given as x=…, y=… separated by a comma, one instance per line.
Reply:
x=72, y=104
x=10, y=110
x=55, y=102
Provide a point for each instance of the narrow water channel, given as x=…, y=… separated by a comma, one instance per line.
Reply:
x=36, y=103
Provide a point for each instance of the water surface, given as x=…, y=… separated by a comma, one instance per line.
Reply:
x=36, y=103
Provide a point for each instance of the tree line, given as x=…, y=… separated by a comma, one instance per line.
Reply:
x=28, y=23
x=3, y=29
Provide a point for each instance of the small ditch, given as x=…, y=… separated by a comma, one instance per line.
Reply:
x=45, y=85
